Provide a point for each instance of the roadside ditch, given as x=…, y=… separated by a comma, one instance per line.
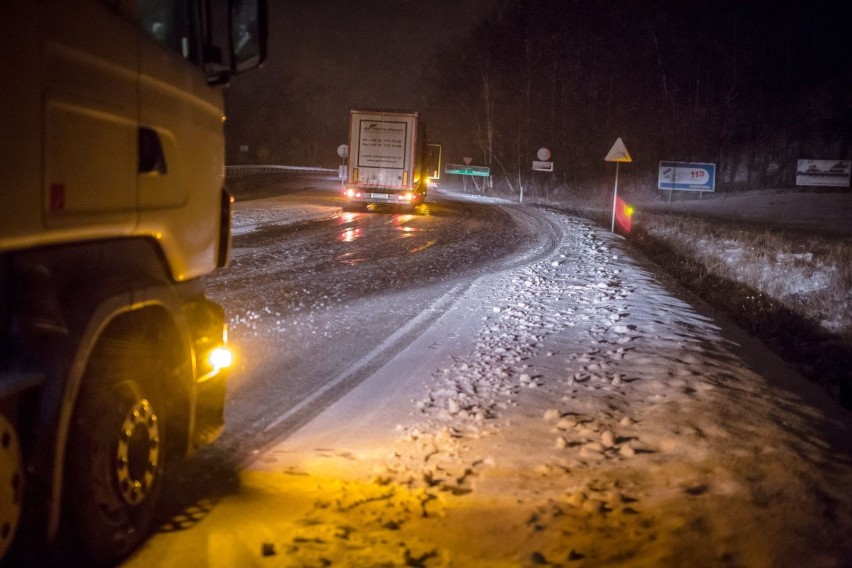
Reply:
x=789, y=328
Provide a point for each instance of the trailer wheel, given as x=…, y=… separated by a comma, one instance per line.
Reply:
x=355, y=207
x=11, y=484
x=116, y=452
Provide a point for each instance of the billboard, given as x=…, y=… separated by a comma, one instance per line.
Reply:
x=832, y=173
x=687, y=176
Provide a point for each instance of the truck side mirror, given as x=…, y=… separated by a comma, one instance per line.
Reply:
x=235, y=38
x=248, y=34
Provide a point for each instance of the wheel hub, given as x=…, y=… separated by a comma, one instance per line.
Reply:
x=11, y=484
x=138, y=453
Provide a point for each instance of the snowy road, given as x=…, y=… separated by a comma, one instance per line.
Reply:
x=318, y=305
x=563, y=408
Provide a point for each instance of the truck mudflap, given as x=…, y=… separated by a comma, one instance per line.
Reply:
x=210, y=411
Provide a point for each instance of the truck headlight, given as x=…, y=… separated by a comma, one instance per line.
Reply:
x=220, y=358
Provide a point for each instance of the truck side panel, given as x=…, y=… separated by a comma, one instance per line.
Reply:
x=85, y=85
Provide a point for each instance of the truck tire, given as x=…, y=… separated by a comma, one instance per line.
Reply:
x=116, y=451
x=11, y=484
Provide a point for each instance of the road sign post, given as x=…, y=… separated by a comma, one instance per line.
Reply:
x=618, y=154
x=343, y=171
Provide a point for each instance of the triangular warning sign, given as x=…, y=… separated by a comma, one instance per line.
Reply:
x=618, y=153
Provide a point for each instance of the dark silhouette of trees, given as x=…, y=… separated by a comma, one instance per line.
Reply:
x=751, y=86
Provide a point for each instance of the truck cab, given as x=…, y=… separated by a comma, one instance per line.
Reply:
x=112, y=360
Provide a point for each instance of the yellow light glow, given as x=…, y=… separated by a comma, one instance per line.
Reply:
x=220, y=358
x=422, y=247
x=349, y=235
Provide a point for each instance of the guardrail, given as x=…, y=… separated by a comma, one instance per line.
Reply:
x=236, y=171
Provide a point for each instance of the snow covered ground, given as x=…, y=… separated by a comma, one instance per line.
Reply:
x=792, y=246
x=569, y=412
x=279, y=210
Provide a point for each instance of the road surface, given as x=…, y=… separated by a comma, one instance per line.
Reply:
x=548, y=400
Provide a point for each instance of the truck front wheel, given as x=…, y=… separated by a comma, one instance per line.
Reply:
x=116, y=450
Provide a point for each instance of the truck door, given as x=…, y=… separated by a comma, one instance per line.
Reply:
x=180, y=120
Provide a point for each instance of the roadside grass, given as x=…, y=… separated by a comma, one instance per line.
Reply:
x=809, y=274
x=792, y=323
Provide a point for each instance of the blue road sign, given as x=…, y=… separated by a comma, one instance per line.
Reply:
x=687, y=176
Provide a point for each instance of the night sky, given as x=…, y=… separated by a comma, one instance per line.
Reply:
x=749, y=85
x=344, y=54
x=372, y=51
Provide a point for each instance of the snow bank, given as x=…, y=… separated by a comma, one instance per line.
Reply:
x=283, y=210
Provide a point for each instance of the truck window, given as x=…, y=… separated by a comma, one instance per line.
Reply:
x=174, y=23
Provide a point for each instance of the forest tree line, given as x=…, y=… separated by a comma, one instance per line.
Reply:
x=750, y=86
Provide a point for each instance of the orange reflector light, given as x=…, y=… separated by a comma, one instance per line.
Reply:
x=220, y=358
